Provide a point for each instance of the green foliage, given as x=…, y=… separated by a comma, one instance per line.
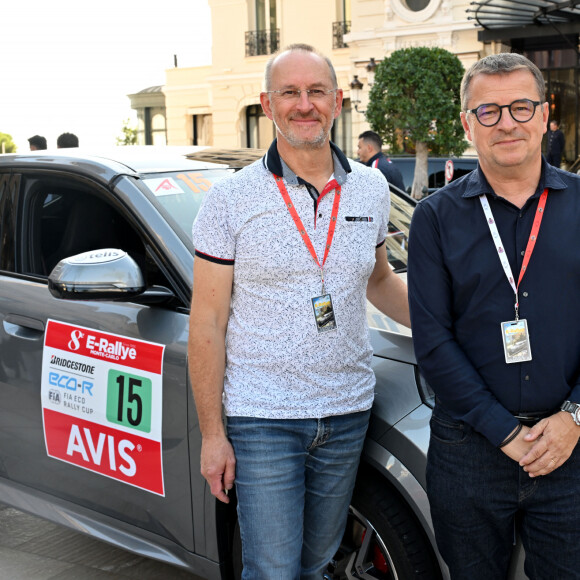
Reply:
x=6, y=143
x=129, y=136
x=416, y=96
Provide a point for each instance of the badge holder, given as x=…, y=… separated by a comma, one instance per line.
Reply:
x=323, y=310
x=516, y=341
x=324, y=313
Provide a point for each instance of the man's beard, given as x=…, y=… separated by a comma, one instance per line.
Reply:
x=317, y=142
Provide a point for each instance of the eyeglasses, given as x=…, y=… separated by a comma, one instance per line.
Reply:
x=292, y=95
x=521, y=111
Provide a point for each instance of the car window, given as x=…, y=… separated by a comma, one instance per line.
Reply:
x=9, y=187
x=62, y=217
x=73, y=221
x=437, y=178
x=398, y=235
x=436, y=170
x=180, y=193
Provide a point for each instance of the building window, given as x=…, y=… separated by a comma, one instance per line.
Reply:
x=265, y=38
x=342, y=10
x=416, y=5
x=259, y=129
x=158, y=134
x=415, y=10
x=201, y=130
x=339, y=29
x=341, y=134
x=342, y=24
x=265, y=14
x=262, y=42
x=151, y=126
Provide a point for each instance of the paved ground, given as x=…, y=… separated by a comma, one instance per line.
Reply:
x=33, y=549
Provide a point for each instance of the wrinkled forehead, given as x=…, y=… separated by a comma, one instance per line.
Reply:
x=301, y=68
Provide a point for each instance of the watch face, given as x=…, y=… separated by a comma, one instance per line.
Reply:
x=576, y=416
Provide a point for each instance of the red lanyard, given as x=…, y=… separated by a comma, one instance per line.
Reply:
x=529, y=247
x=534, y=233
x=300, y=226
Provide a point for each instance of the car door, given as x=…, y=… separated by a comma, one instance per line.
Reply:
x=93, y=395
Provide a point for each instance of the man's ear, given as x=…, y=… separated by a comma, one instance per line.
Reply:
x=338, y=95
x=265, y=102
x=466, y=127
x=546, y=113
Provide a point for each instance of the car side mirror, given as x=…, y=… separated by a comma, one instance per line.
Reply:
x=105, y=274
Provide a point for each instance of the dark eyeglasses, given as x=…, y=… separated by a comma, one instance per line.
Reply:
x=521, y=111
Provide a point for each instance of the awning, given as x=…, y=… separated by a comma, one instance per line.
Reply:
x=494, y=14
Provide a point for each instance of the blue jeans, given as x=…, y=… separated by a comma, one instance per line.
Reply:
x=294, y=482
x=478, y=497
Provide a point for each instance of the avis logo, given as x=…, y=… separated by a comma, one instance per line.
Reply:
x=117, y=452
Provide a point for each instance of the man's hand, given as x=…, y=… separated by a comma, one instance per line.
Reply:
x=218, y=465
x=553, y=439
x=519, y=447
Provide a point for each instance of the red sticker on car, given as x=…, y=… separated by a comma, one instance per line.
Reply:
x=102, y=403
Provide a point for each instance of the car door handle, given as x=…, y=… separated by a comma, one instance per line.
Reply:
x=23, y=327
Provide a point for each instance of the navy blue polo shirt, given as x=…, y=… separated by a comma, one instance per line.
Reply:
x=459, y=295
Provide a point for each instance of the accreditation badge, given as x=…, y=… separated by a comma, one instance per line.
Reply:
x=324, y=313
x=516, y=341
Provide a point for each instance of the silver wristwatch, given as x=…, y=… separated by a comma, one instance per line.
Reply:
x=573, y=409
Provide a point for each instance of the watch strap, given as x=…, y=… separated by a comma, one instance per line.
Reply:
x=573, y=409
x=569, y=407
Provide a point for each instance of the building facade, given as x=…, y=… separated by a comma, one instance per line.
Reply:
x=219, y=105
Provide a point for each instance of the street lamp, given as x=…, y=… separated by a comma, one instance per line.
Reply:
x=355, y=89
x=356, y=85
x=371, y=71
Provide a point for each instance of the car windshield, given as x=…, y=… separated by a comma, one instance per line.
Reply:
x=398, y=235
x=180, y=193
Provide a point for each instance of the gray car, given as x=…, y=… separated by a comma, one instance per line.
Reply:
x=436, y=177
x=99, y=430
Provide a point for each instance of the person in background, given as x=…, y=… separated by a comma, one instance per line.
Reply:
x=286, y=252
x=67, y=140
x=493, y=286
x=556, y=142
x=37, y=143
x=370, y=153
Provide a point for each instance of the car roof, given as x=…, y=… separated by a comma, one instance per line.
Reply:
x=107, y=163
x=232, y=157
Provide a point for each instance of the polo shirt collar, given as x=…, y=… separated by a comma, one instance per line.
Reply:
x=275, y=164
x=477, y=183
x=374, y=158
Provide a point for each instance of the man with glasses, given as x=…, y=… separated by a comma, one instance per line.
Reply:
x=494, y=275
x=287, y=250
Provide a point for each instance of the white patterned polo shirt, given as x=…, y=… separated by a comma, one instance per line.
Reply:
x=277, y=363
